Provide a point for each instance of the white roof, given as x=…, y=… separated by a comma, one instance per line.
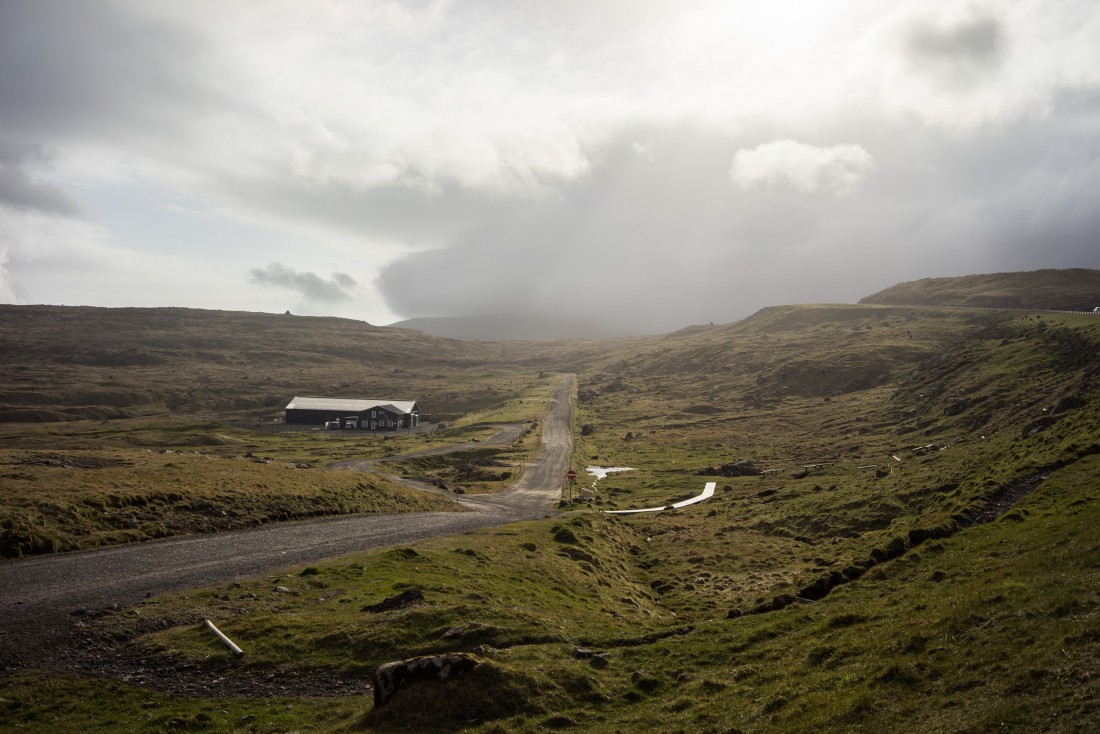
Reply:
x=352, y=405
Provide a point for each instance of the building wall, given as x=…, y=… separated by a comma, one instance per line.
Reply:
x=381, y=420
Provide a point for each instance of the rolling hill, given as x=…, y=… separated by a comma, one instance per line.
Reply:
x=72, y=363
x=1076, y=289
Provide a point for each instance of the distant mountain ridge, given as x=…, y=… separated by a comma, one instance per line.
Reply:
x=1072, y=289
x=503, y=327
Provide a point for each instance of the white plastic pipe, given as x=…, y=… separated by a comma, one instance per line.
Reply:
x=225, y=640
x=708, y=492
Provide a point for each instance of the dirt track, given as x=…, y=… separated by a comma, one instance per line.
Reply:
x=42, y=599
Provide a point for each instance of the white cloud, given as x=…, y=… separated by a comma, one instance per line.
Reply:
x=838, y=169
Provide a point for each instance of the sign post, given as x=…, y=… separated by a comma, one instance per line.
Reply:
x=570, y=476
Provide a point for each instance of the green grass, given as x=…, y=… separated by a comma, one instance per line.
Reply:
x=39, y=702
x=50, y=504
x=998, y=623
x=155, y=477
x=857, y=596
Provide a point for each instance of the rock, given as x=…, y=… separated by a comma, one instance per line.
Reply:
x=406, y=598
x=1040, y=425
x=957, y=407
x=389, y=678
x=595, y=659
x=1071, y=402
x=453, y=633
x=742, y=468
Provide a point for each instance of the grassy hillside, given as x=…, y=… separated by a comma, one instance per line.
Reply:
x=64, y=363
x=920, y=556
x=1075, y=289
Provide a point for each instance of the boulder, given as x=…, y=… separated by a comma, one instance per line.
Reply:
x=406, y=598
x=389, y=678
x=1071, y=402
x=743, y=468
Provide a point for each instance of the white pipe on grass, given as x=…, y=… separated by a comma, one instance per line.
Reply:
x=225, y=640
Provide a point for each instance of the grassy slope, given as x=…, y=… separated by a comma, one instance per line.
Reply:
x=117, y=385
x=930, y=622
x=64, y=363
x=1076, y=289
x=129, y=480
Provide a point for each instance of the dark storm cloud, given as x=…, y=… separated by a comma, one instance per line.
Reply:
x=312, y=286
x=81, y=71
x=959, y=53
x=659, y=237
x=21, y=189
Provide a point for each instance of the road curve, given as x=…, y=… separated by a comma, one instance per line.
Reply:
x=39, y=595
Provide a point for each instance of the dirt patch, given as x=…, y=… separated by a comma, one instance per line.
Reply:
x=90, y=645
x=75, y=462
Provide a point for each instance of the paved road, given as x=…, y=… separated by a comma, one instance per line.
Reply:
x=39, y=595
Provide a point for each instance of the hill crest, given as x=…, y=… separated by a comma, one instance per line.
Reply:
x=1072, y=289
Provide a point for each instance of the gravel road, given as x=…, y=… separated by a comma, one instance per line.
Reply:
x=42, y=598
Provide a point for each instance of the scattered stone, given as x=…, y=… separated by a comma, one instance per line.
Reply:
x=282, y=590
x=407, y=598
x=75, y=462
x=595, y=659
x=1036, y=426
x=391, y=677
x=742, y=468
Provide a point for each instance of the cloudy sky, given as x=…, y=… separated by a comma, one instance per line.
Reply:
x=644, y=164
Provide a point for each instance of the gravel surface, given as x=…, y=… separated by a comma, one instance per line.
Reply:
x=49, y=604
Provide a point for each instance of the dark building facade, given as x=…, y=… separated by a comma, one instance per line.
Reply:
x=353, y=413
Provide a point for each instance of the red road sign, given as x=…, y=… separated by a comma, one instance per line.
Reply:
x=571, y=474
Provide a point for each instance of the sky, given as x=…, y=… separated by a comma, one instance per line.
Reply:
x=638, y=164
